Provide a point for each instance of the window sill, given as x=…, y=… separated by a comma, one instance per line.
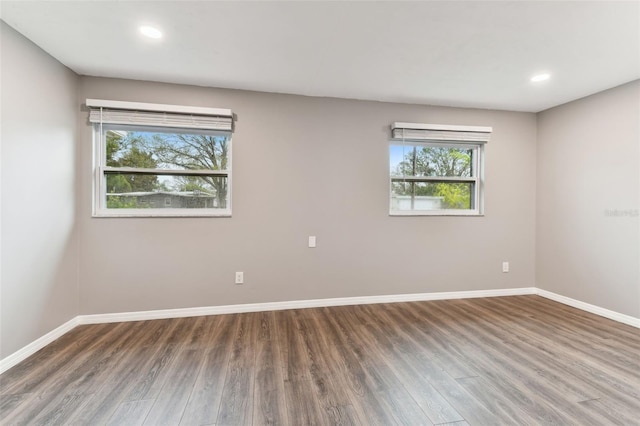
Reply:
x=159, y=213
x=472, y=213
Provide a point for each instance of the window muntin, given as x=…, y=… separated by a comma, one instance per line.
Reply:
x=157, y=171
x=435, y=178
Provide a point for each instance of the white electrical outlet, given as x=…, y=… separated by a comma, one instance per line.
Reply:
x=239, y=277
x=312, y=241
x=505, y=266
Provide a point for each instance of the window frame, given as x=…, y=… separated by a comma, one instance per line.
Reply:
x=101, y=170
x=457, y=140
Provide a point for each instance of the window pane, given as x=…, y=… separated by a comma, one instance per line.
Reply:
x=162, y=150
x=431, y=196
x=401, y=160
x=145, y=191
x=406, y=160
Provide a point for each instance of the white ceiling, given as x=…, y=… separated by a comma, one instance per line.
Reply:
x=471, y=54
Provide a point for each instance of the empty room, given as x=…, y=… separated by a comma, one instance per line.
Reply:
x=320, y=213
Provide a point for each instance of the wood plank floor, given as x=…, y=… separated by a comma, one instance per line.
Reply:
x=520, y=360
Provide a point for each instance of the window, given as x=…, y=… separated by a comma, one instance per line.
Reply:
x=160, y=160
x=436, y=170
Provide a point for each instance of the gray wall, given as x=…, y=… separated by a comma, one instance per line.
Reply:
x=39, y=259
x=308, y=166
x=588, y=167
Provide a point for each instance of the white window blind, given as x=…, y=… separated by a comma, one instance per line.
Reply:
x=157, y=115
x=438, y=132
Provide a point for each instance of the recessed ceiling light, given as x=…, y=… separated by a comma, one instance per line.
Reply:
x=540, y=77
x=150, y=32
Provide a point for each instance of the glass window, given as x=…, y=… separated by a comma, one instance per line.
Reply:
x=435, y=178
x=147, y=171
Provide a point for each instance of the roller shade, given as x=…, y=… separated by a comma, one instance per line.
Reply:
x=437, y=132
x=156, y=115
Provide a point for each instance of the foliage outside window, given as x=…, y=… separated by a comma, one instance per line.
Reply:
x=435, y=177
x=160, y=171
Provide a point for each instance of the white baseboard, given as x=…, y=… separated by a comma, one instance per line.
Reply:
x=36, y=345
x=616, y=316
x=297, y=304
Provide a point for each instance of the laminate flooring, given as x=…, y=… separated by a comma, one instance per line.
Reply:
x=521, y=360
